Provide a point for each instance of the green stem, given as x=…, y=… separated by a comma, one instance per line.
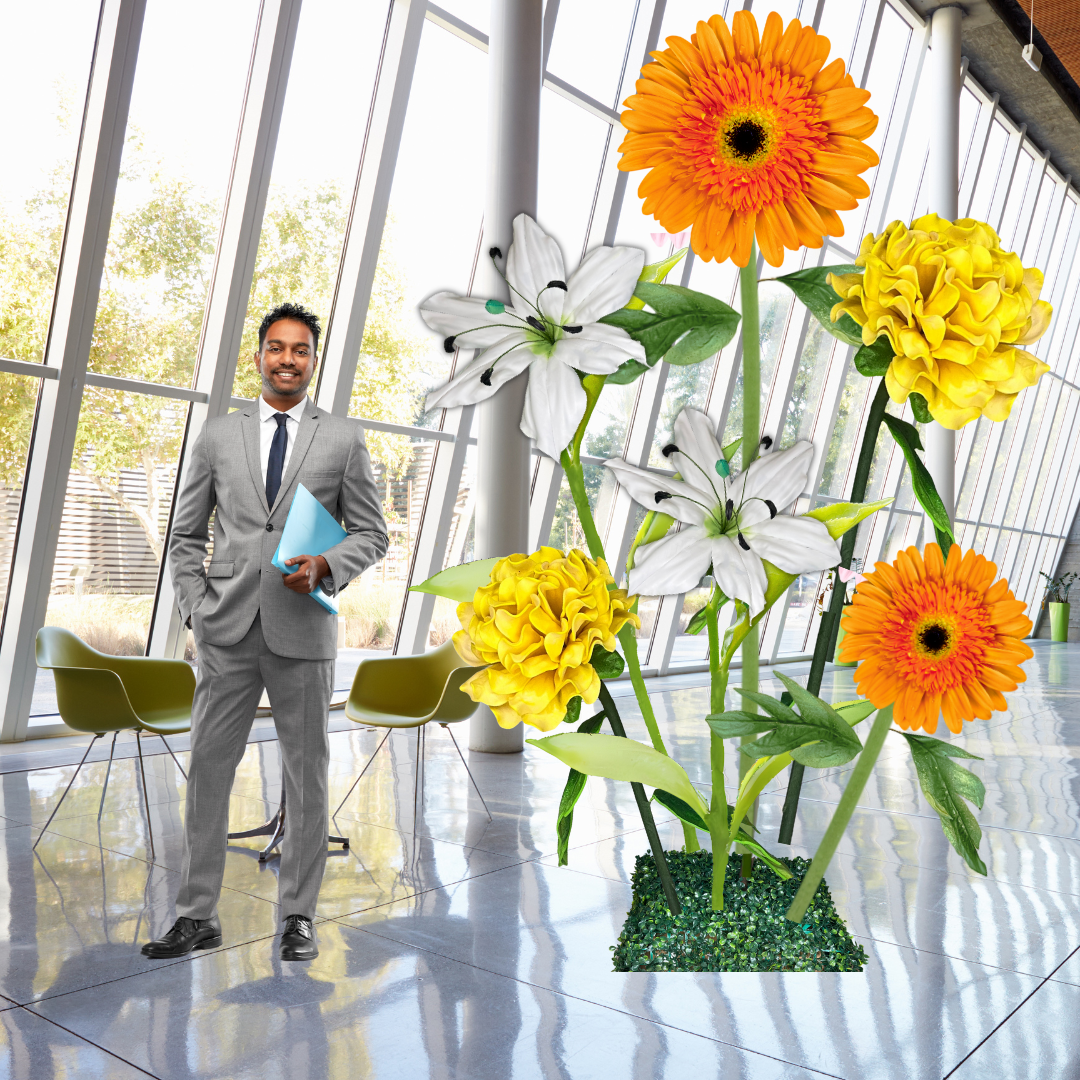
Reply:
x=644, y=809
x=825, y=646
x=848, y=801
x=718, y=807
x=751, y=437
x=575, y=477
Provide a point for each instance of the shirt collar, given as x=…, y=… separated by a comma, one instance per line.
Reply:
x=267, y=411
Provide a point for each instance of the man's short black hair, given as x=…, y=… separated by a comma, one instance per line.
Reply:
x=294, y=312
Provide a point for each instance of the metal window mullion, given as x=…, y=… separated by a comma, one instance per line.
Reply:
x=1001, y=194
x=1034, y=194
x=639, y=440
x=898, y=153
x=433, y=532
x=1010, y=467
x=547, y=483
x=619, y=179
x=367, y=215
x=234, y=265
x=1032, y=514
x=1063, y=513
x=967, y=188
x=67, y=350
x=1048, y=236
x=1040, y=447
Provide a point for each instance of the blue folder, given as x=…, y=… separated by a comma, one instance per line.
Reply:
x=309, y=530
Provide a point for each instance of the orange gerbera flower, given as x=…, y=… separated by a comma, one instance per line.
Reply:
x=936, y=638
x=749, y=135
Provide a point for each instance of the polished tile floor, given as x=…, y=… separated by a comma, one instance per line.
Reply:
x=464, y=951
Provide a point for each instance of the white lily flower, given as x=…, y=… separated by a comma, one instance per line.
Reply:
x=729, y=522
x=550, y=327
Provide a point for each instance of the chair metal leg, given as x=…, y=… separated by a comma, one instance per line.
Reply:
x=275, y=829
x=417, y=769
x=108, y=769
x=467, y=769
x=68, y=788
x=362, y=771
x=146, y=796
x=173, y=756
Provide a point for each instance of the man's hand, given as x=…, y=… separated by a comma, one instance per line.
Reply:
x=307, y=575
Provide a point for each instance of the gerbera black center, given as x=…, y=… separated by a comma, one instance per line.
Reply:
x=746, y=139
x=935, y=638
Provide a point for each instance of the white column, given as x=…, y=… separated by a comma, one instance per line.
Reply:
x=943, y=188
x=515, y=78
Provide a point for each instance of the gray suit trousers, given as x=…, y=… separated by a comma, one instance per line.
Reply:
x=230, y=682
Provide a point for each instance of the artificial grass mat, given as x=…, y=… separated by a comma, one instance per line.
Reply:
x=750, y=934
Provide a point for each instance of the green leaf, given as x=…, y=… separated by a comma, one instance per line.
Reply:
x=812, y=287
x=839, y=517
x=771, y=861
x=922, y=483
x=627, y=372
x=698, y=621
x=684, y=327
x=816, y=736
x=573, y=710
x=854, y=712
x=608, y=665
x=920, y=409
x=575, y=785
x=731, y=449
x=623, y=759
x=874, y=360
x=680, y=809
x=945, y=785
x=458, y=582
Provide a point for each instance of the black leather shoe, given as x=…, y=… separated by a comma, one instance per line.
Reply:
x=298, y=939
x=186, y=935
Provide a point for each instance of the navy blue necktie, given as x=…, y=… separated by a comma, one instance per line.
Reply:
x=276, y=462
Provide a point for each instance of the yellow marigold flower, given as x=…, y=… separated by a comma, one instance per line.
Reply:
x=955, y=308
x=936, y=638
x=749, y=135
x=536, y=625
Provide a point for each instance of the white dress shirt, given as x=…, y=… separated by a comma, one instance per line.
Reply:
x=268, y=428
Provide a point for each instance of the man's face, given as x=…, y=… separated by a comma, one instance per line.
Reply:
x=286, y=362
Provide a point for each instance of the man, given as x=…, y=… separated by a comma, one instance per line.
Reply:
x=255, y=627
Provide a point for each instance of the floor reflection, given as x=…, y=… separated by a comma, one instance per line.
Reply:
x=454, y=946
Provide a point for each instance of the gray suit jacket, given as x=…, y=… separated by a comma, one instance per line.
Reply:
x=331, y=460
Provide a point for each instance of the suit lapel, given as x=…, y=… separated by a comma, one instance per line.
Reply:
x=250, y=428
x=304, y=434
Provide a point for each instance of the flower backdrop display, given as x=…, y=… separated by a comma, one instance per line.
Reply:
x=752, y=141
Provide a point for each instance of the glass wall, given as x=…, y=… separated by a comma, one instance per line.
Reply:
x=1017, y=481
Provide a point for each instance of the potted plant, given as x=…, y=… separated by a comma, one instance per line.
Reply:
x=1057, y=598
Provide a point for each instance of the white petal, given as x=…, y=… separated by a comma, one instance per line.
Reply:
x=695, y=436
x=798, y=545
x=534, y=260
x=598, y=349
x=780, y=476
x=644, y=486
x=739, y=573
x=460, y=316
x=673, y=564
x=554, y=405
x=603, y=283
x=465, y=388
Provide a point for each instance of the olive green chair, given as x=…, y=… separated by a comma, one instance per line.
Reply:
x=97, y=693
x=403, y=692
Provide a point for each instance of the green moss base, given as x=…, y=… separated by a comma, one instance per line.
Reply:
x=750, y=934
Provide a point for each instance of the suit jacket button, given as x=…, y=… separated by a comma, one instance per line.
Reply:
x=269, y=527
